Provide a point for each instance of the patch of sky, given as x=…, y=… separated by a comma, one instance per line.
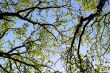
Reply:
x=1, y=61
x=106, y=8
x=15, y=1
x=58, y=63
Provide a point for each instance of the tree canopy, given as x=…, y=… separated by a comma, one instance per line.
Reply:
x=35, y=35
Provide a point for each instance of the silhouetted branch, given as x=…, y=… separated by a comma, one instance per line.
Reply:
x=88, y=19
x=2, y=34
x=4, y=69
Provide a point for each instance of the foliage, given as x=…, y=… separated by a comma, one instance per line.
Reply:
x=34, y=33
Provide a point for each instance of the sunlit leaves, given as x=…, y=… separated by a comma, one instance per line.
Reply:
x=45, y=29
x=88, y=5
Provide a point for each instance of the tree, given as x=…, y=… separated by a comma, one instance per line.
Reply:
x=34, y=31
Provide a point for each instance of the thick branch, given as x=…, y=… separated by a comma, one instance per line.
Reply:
x=88, y=19
x=80, y=38
x=17, y=14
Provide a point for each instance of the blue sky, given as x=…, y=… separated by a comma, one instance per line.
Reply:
x=50, y=18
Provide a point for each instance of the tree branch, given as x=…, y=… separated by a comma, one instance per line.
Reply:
x=4, y=69
x=89, y=18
